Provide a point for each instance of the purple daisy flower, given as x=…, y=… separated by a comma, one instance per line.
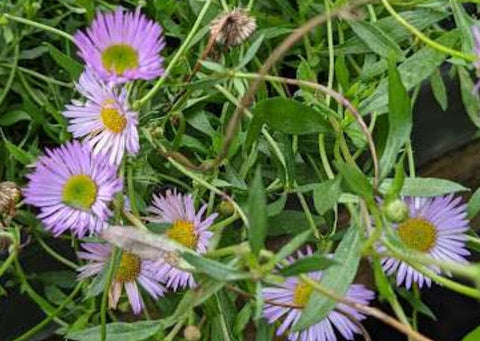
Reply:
x=131, y=271
x=476, y=50
x=436, y=227
x=72, y=188
x=104, y=119
x=188, y=228
x=297, y=293
x=122, y=46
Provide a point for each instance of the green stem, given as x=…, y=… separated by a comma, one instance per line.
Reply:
x=250, y=5
x=6, y=264
x=103, y=307
x=8, y=85
x=29, y=334
x=308, y=214
x=138, y=104
x=38, y=25
x=55, y=255
x=425, y=39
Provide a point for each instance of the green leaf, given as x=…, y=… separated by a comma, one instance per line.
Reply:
x=376, y=39
x=252, y=50
x=426, y=187
x=381, y=281
x=242, y=319
x=292, y=245
x=438, y=89
x=13, y=117
x=326, y=195
x=355, y=180
x=286, y=115
x=420, y=18
x=416, y=303
x=474, y=335
x=412, y=71
x=119, y=331
x=399, y=120
x=336, y=278
x=474, y=204
x=471, y=100
x=397, y=183
x=66, y=62
x=257, y=213
x=307, y=264
x=215, y=67
x=213, y=268
x=465, y=23
x=290, y=222
x=19, y=154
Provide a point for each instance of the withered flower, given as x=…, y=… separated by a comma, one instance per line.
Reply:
x=9, y=195
x=233, y=28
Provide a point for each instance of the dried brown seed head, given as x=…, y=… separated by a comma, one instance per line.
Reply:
x=9, y=195
x=233, y=28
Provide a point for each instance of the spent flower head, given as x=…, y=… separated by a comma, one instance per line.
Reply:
x=233, y=28
x=9, y=195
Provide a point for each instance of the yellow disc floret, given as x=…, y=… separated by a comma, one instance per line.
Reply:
x=302, y=293
x=112, y=119
x=119, y=58
x=183, y=231
x=418, y=234
x=129, y=268
x=80, y=191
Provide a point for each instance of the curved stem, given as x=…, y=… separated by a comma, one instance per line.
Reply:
x=8, y=85
x=103, y=307
x=149, y=95
x=38, y=25
x=6, y=264
x=28, y=335
x=55, y=255
x=424, y=38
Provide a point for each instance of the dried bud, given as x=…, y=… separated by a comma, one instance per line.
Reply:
x=9, y=195
x=396, y=211
x=233, y=28
x=192, y=333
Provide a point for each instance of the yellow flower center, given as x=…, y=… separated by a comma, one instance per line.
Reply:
x=111, y=117
x=418, y=234
x=183, y=232
x=302, y=293
x=119, y=58
x=129, y=267
x=80, y=191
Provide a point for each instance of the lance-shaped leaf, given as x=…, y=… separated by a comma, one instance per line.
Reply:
x=336, y=278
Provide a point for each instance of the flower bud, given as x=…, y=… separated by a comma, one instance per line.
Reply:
x=396, y=211
x=192, y=333
x=225, y=208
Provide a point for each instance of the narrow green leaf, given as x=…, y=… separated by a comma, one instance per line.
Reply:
x=398, y=181
x=257, y=213
x=438, y=89
x=474, y=335
x=416, y=303
x=307, y=264
x=213, y=268
x=252, y=50
x=12, y=117
x=215, y=67
x=292, y=245
x=326, y=195
x=399, y=120
x=464, y=23
x=66, y=62
x=471, y=100
x=413, y=71
x=381, y=281
x=288, y=116
x=336, y=278
x=376, y=39
x=355, y=180
x=19, y=154
x=426, y=187
x=474, y=204
x=119, y=331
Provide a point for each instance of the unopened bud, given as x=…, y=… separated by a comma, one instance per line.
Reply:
x=225, y=208
x=396, y=211
x=192, y=333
